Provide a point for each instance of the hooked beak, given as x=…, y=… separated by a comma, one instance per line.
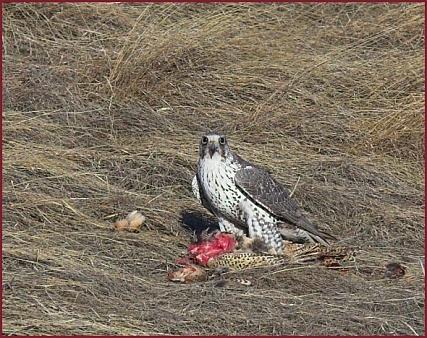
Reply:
x=212, y=149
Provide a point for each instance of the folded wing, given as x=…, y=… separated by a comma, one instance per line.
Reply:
x=259, y=186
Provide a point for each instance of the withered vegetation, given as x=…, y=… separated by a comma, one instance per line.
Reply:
x=104, y=105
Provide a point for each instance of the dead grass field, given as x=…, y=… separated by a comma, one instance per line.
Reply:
x=104, y=105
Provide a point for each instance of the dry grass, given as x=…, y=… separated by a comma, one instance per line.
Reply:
x=104, y=105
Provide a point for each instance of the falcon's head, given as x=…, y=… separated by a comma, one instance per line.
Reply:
x=213, y=146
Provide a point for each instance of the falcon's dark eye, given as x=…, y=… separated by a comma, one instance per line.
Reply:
x=222, y=140
x=204, y=140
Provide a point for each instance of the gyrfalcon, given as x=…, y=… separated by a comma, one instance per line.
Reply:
x=247, y=200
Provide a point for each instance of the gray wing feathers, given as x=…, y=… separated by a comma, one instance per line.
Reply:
x=265, y=191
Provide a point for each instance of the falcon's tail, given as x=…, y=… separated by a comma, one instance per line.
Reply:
x=323, y=237
x=299, y=235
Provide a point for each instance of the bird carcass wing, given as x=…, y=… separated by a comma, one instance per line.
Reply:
x=259, y=186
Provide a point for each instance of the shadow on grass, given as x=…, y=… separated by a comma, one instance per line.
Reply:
x=198, y=222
